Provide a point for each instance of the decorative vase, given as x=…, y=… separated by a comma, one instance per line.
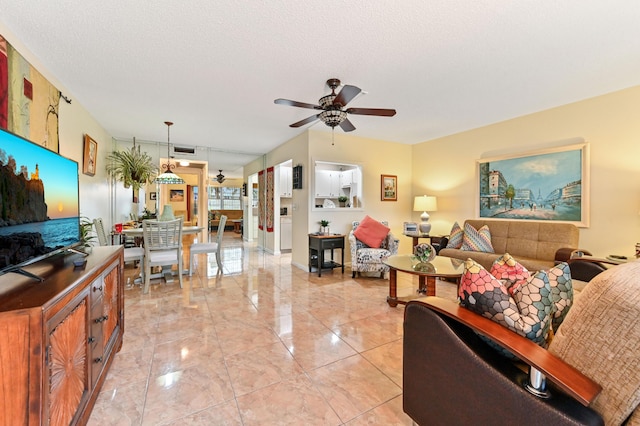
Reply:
x=424, y=252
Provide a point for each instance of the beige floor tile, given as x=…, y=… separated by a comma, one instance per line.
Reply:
x=389, y=413
x=292, y=402
x=353, y=386
x=388, y=359
x=261, y=366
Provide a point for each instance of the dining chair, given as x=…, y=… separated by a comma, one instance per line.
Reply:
x=162, y=246
x=131, y=254
x=210, y=247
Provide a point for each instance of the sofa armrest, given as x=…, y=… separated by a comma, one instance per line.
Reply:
x=563, y=375
x=566, y=253
x=391, y=243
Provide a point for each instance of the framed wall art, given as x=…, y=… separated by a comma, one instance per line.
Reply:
x=388, y=188
x=545, y=185
x=90, y=156
x=176, y=195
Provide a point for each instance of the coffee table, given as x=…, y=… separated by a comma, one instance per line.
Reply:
x=440, y=266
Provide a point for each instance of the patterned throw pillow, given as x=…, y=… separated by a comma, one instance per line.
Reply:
x=477, y=240
x=455, y=237
x=561, y=292
x=527, y=311
x=514, y=274
x=507, y=268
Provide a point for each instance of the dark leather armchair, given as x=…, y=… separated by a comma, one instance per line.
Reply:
x=451, y=376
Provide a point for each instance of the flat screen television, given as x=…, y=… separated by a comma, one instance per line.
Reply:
x=39, y=203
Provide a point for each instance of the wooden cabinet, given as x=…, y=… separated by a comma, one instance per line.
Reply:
x=58, y=337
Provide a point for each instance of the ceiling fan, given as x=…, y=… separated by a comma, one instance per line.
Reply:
x=332, y=106
x=220, y=177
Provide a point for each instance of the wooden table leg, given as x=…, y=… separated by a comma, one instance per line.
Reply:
x=392, y=299
x=431, y=286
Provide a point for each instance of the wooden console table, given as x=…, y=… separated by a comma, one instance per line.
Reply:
x=318, y=244
x=59, y=337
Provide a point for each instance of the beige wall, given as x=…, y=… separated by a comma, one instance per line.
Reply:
x=445, y=167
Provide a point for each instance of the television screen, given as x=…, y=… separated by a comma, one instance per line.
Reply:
x=39, y=206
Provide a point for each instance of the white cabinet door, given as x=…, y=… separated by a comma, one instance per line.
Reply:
x=286, y=183
x=285, y=233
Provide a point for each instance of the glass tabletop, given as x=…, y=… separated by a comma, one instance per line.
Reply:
x=439, y=267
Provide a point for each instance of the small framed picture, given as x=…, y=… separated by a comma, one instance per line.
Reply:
x=410, y=228
x=388, y=188
x=90, y=156
x=153, y=196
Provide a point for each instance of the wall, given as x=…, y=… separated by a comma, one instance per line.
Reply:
x=96, y=193
x=609, y=123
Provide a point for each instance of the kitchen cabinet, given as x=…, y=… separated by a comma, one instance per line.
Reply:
x=285, y=233
x=286, y=182
x=327, y=184
x=59, y=337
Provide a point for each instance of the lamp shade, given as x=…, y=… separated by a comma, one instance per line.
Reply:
x=425, y=203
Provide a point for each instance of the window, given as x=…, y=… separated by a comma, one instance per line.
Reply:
x=225, y=198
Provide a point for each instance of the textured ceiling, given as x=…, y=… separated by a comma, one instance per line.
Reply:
x=215, y=67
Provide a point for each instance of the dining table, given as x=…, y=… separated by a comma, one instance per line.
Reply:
x=166, y=273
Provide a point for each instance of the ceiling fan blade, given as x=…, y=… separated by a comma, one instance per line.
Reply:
x=296, y=104
x=372, y=111
x=305, y=121
x=347, y=93
x=347, y=126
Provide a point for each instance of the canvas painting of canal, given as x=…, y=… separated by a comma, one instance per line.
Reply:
x=545, y=185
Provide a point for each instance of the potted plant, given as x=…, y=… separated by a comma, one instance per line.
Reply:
x=324, y=227
x=342, y=199
x=132, y=167
x=86, y=235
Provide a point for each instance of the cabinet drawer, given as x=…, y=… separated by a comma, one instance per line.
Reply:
x=329, y=244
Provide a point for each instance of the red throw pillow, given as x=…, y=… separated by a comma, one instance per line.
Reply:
x=371, y=232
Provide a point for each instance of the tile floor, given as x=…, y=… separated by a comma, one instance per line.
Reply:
x=265, y=343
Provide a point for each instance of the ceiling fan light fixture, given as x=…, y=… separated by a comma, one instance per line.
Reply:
x=220, y=177
x=333, y=118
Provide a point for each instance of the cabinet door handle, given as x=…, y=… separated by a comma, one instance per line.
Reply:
x=97, y=288
x=92, y=339
x=98, y=360
x=102, y=319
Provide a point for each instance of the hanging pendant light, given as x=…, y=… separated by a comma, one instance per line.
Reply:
x=220, y=178
x=167, y=176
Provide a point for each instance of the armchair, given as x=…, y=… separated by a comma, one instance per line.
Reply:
x=369, y=259
x=451, y=376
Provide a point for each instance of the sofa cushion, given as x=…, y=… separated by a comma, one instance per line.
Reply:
x=477, y=240
x=372, y=255
x=455, y=236
x=525, y=310
x=371, y=232
x=600, y=336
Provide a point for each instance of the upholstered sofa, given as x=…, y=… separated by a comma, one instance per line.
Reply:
x=230, y=214
x=536, y=245
x=588, y=375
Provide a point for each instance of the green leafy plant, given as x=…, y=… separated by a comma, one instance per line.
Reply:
x=131, y=167
x=86, y=234
x=324, y=222
x=342, y=198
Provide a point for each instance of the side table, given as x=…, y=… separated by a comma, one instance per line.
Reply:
x=317, y=246
x=434, y=240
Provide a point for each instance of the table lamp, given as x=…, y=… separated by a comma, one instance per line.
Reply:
x=423, y=204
